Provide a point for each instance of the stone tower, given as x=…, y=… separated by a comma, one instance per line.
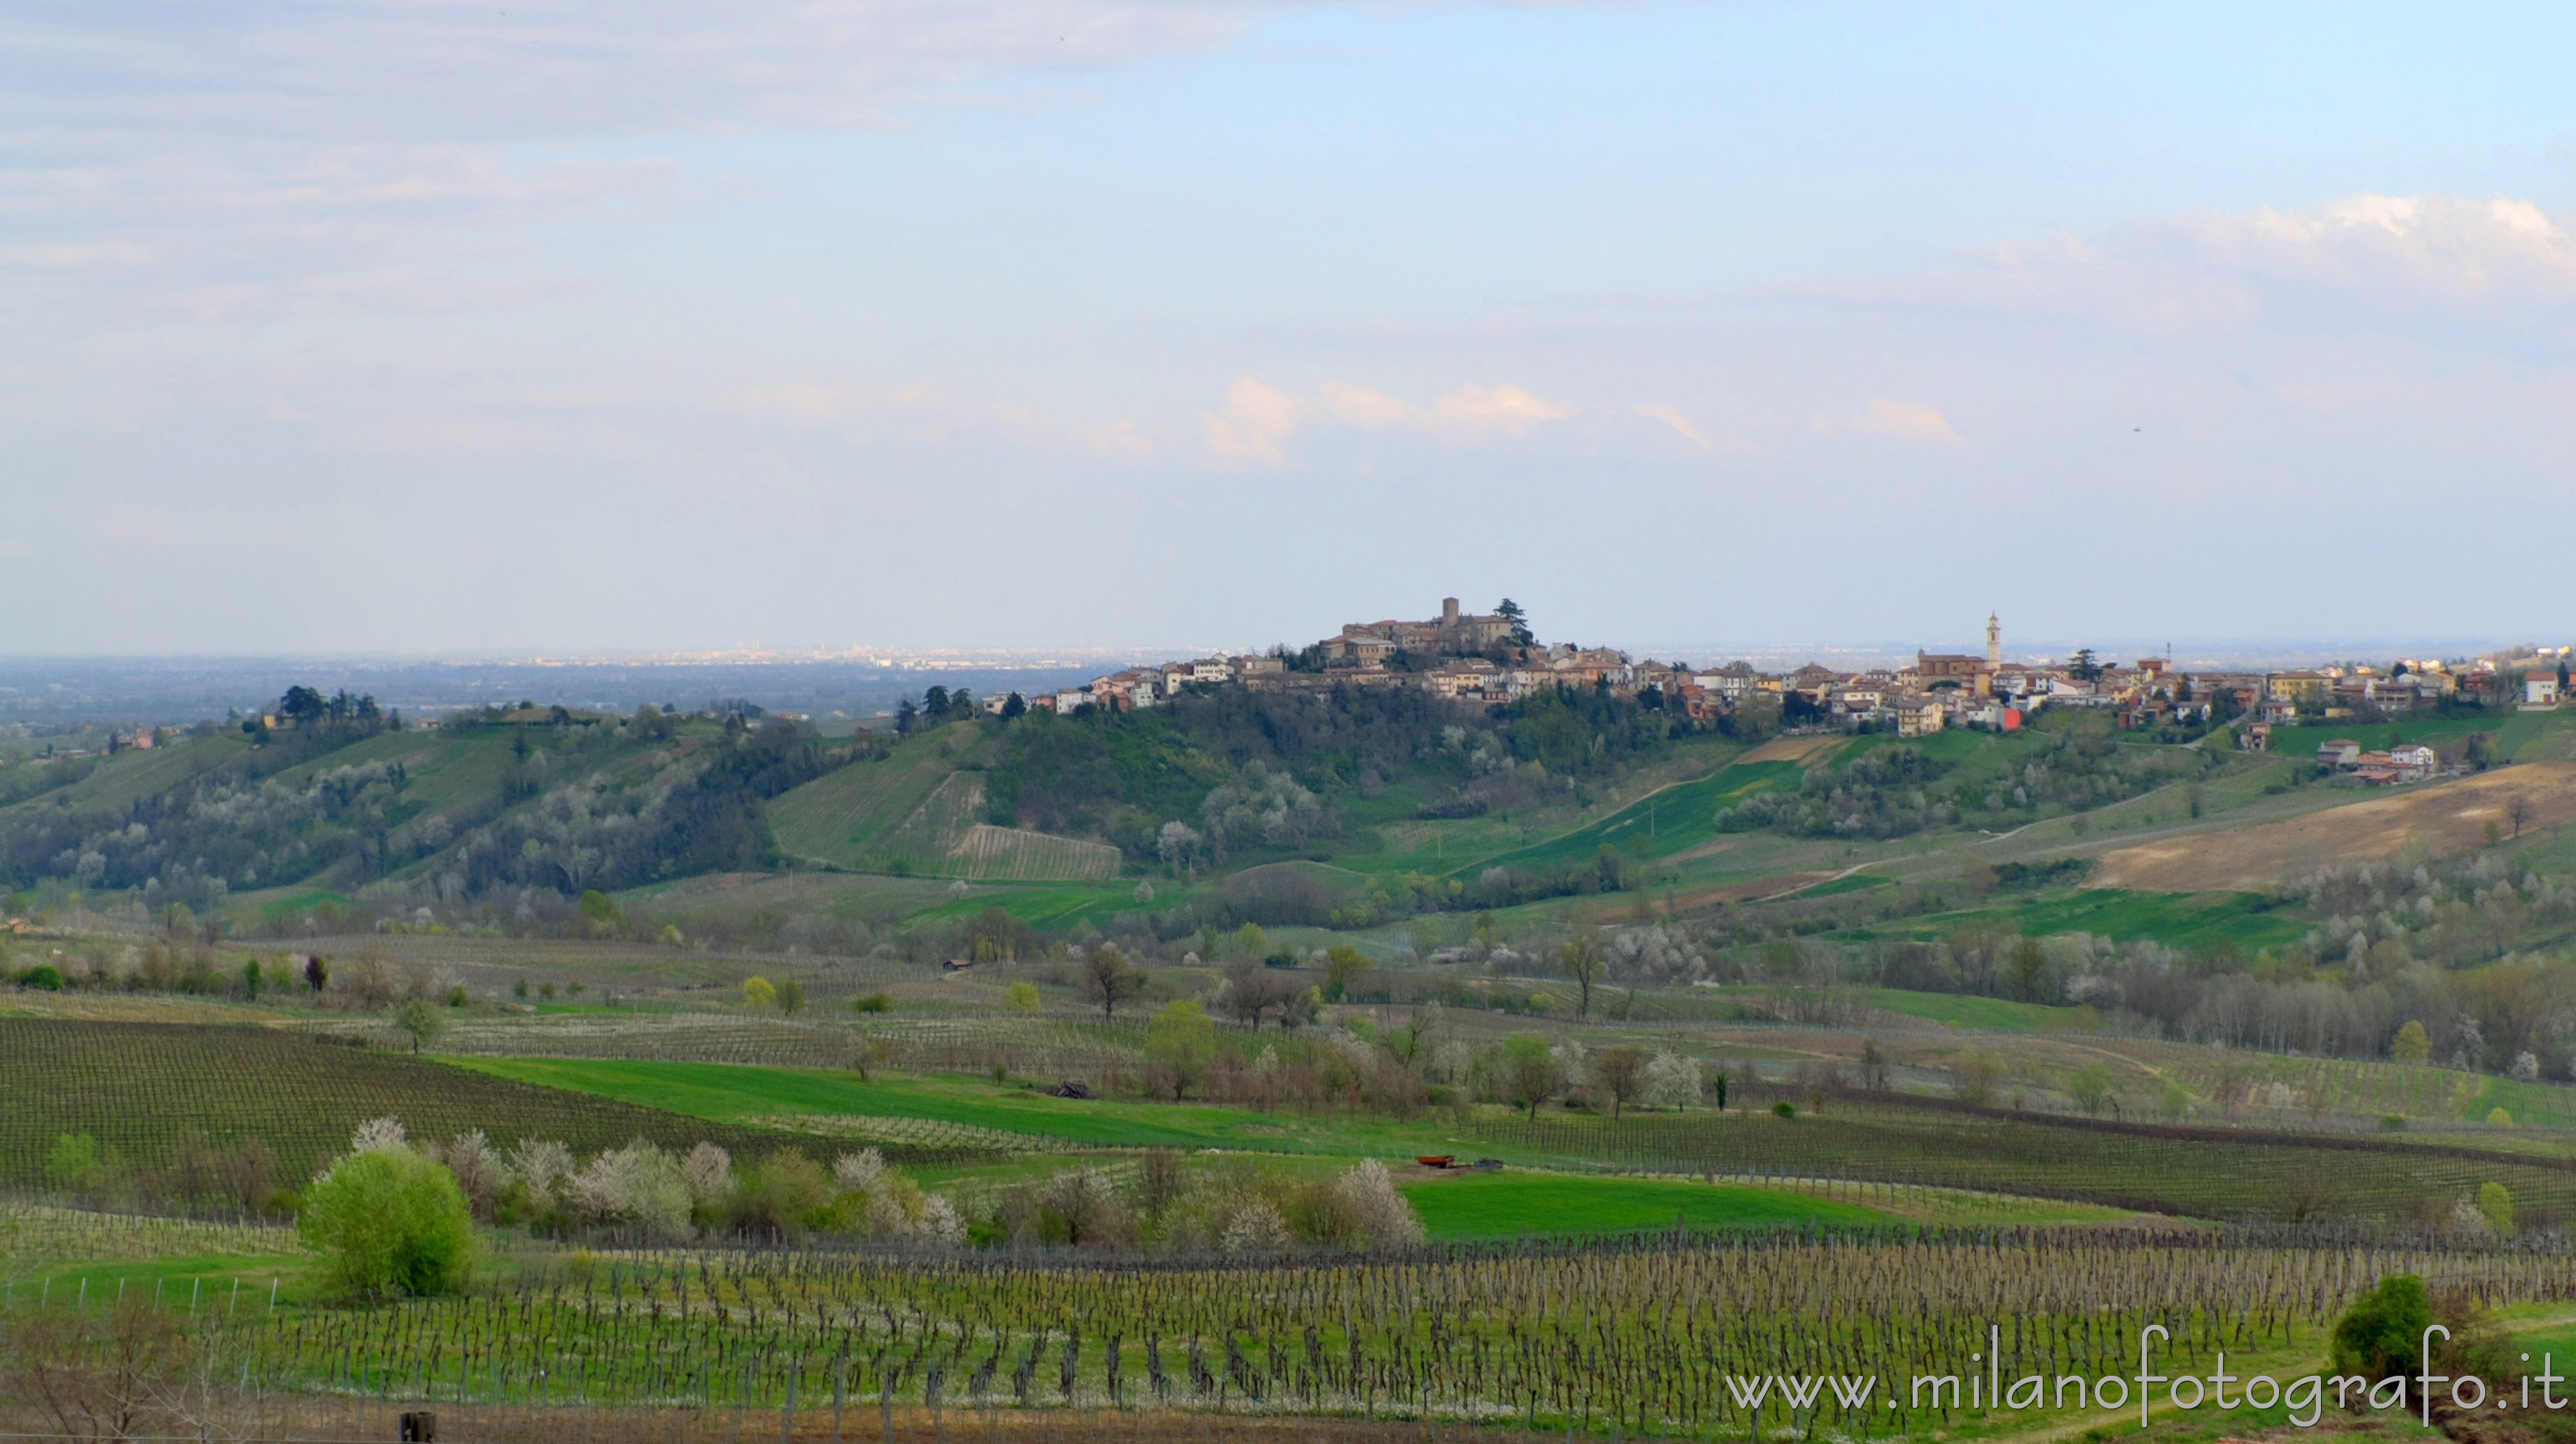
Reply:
x=1994, y=641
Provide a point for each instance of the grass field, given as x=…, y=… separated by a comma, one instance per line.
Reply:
x=727, y=1093
x=1516, y=1205
x=1671, y=821
x=2176, y=919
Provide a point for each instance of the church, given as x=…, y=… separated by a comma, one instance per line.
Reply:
x=1975, y=674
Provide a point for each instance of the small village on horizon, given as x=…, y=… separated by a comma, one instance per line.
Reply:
x=1495, y=659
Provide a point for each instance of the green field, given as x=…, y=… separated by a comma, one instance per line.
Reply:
x=2177, y=919
x=1677, y=818
x=1516, y=1205
x=729, y=1092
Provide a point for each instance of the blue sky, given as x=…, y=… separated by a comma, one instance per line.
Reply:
x=401, y=325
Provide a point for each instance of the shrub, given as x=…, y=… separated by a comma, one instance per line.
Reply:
x=786, y=1195
x=758, y=993
x=882, y=1003
x=1019, y=997
x=76, y=1162
x=2495, y=1205
x=1785, y=1109
x=389, y=1222
x=44, y=976
x=1179, y=1045
x=2412, y=1044
x=419, y=1022
x=2383, y=1330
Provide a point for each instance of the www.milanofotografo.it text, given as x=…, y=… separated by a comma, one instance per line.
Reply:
x=1983, y=1386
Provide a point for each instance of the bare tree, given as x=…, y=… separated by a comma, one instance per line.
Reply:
x=1584, y=962
x=2517, y=809
x=1253, y=989
x=1621, y=1073
x=1109, y=979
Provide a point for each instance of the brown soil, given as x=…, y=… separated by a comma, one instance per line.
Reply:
x=1741, y=891
x=1786, y=749
x=2433, y=817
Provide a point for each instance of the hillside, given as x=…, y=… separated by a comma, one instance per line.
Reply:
x=920, y=809
x=146, y=1091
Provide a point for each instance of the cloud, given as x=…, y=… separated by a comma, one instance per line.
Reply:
x=2403, y=260
x=2447, y=245
x=97, y=253
x=1896, y=421
x=231, y=157
x=391, y=71
x=928, y=410
x=1254, y=425
x=1659, y=412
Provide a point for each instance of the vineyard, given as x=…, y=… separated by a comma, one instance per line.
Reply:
x=1014, y=854
x=677, y=1037
x=1638, y=1338
x=912, y=1133
x=841, y=816
x=142, y=1088
x=2198, y=1172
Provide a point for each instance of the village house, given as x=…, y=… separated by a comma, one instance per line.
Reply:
x=2339, y=752
x=2300, y=689
x=1917, y=716
x=2539, y=691
x=1731, y=683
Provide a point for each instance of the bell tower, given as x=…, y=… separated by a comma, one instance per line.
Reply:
x=1994, y=641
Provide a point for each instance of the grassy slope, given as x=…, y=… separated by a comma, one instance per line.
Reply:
x=2178, y=919
x=1509, y=1205
x=120, y=781
x=846, y=817
x=726, y=1092
x=1671, y=821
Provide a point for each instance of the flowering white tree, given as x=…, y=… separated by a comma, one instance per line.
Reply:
x=542, y=1164
x=1672, y=1081
x=707, y=1173
x=1385, y=1215
x=637, y=1184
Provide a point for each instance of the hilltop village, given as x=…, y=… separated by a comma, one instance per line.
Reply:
x=1494, y=659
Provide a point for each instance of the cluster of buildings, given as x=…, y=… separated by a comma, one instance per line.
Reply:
x=1492, y=659
x=2407, y=762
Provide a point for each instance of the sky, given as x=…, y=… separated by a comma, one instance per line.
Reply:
x=577, y=326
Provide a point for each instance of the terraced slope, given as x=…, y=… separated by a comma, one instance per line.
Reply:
x=844, y=817
x=910, y=811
